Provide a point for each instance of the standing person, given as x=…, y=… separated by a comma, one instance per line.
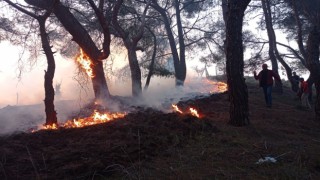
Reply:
x=296, y=80
x=265, y=78
x=305, y=93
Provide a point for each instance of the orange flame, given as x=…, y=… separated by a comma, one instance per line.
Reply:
x=176, y=108
x=85, y=63
x=95, y=118
x=53, y=126
x=194, y=112
x=222, y=87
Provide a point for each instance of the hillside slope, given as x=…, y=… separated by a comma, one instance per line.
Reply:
x=150, y=144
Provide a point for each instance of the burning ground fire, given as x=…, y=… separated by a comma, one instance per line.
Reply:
x=222, y=87
x=95, y=118
x=85, y=63
x=191, y=111
x=99, y=117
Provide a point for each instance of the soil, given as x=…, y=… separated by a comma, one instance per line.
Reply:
x=150, y=144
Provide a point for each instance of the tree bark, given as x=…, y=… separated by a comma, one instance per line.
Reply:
x=237, y=88
x=299, y=32
x=131, y=46
x=313, y=64
x=182, y=47
x=83, y=39
x=272, y=42
x=224, y=6
x=135, y=72
x=51, y=114
x=153, y=59
x=179, y=64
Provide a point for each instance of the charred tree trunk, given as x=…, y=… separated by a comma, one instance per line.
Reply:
x=135, y=72
x=51, y=114
x=272, y=42
x=313, y=64
x=151, y=67
x=182, y=46
x=237, y=88
x=83, y=39
x=99, y=83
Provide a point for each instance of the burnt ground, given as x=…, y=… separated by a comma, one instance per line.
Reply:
x=149, y=144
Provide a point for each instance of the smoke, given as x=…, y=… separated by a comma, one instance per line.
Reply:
x=160, y=95
x=21, y=101
x=162, y=92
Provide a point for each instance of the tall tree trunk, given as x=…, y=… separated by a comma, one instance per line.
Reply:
x=182, y=47
x=313, y=64
x=272, y=42
x=179, y=65
x=237, y=88
x=131, y=42
x=294, y=85
x=83, y=39
x=135, y=72
x=299, y=32
x=51, y=114
x=153, y=58
x=99, y=83
x=224, y=6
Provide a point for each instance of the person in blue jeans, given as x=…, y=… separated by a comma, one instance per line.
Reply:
x=265, y=78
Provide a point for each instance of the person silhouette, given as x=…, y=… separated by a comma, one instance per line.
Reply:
x=265, y=78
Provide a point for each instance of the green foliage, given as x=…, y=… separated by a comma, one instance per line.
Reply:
x=192, y=7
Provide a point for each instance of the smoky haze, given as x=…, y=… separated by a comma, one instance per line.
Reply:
x=160, y=95
x=21, y=101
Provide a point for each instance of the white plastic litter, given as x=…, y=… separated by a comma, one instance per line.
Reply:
x=266, y=159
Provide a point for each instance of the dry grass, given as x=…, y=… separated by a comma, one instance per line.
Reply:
x=153, y=145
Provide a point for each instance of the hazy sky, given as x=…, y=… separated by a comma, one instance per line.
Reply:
x=30, y=88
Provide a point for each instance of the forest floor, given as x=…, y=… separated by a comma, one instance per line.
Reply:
x=149, y=144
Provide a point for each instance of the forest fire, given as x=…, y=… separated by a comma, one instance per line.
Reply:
x=194, y=112
x=222, y=87
x=85, y=63
x=176, y=108
x=53, y=126
x=191, y=111
x=95, y=118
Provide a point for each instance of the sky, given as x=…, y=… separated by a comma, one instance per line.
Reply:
x=28, y=89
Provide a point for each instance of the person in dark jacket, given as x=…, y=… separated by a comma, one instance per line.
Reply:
x=265, y=78
x=295, y=80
